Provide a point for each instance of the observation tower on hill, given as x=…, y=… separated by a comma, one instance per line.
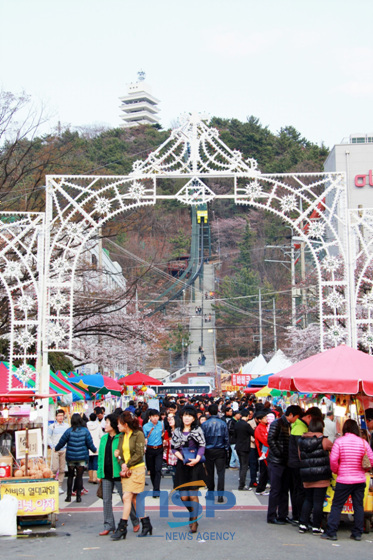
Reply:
x=139, y=106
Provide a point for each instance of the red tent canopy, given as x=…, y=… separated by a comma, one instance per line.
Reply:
x=341, y=370
x=251, y=390
x=138, y=378
x=23, y=397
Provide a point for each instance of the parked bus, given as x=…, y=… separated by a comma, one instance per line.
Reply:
x=175, y=389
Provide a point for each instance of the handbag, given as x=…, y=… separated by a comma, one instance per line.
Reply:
x=365, y=462
x=99, y=493
x=126, y=474
x=190, y=454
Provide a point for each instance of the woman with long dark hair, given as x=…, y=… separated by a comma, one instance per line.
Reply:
x=130, y=455
x=78, y=442
x=346, y=461
x=315, y=474
x=109, y=473
x=168, y=455
x=188, y=443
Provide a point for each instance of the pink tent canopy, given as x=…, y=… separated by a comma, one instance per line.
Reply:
x=341, y=370
x=138, y=378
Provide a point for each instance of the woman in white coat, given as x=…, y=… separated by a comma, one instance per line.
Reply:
x=96, y=432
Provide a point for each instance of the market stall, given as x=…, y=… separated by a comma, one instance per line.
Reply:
x=139, y=383
x=24, y=472
x=344, y=376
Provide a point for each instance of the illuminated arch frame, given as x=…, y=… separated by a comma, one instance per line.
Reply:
x=313, y=204
x=21, y=277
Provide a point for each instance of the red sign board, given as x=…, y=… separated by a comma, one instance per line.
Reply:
x=240, y=380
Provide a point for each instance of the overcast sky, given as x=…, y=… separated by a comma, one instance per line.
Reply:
x=305, y=63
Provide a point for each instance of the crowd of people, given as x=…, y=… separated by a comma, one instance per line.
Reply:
x=276, y=453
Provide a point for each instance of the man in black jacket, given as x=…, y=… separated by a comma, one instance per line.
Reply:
x=234, y=460
x=243, y=432
x=279, y=472
x=297, y=493
x=217, y=443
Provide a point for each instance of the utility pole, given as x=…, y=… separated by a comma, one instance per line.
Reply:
x=293, y=292
x=274, y=326
x=290, y=265
x=260, y=323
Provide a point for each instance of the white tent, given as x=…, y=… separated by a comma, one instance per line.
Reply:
x=277, y=363
x=254, y=367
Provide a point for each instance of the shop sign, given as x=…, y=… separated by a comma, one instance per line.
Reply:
x=34, y=446
x=240, y=380
x=348, y=506
x=361, y=180
x=34, y=498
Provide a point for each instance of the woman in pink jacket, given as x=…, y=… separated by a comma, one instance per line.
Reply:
x=346, y=461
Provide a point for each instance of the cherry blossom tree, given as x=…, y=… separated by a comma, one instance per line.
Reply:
x=109, y=330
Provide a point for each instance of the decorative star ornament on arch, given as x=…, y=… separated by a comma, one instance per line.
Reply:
x=195, y=192
x=25, y=374
x=194, y=148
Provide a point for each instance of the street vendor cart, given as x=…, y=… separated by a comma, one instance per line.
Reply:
x=38, y=499
x=24, y=472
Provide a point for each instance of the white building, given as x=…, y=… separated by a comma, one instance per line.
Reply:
x=139, y=106
x=354, y=157
x=112, y=272
x=100, y=269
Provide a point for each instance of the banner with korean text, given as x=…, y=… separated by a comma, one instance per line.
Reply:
x=240, y=379
x=34, y=498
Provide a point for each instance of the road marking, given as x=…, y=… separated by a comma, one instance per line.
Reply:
x=90, y=509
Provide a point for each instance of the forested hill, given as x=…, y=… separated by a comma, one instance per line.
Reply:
x=282, y=152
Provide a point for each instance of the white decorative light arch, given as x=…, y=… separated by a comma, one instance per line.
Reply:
x=313, y=204
x=21, y=279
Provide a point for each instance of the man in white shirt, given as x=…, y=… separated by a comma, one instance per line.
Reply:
x=330, y=429
x=100, y=413
x=55, y=432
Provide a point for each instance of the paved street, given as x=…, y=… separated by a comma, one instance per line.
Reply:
x=198, y=326
x=238, y=533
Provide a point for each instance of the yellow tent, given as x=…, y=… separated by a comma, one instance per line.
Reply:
x=264, y=392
